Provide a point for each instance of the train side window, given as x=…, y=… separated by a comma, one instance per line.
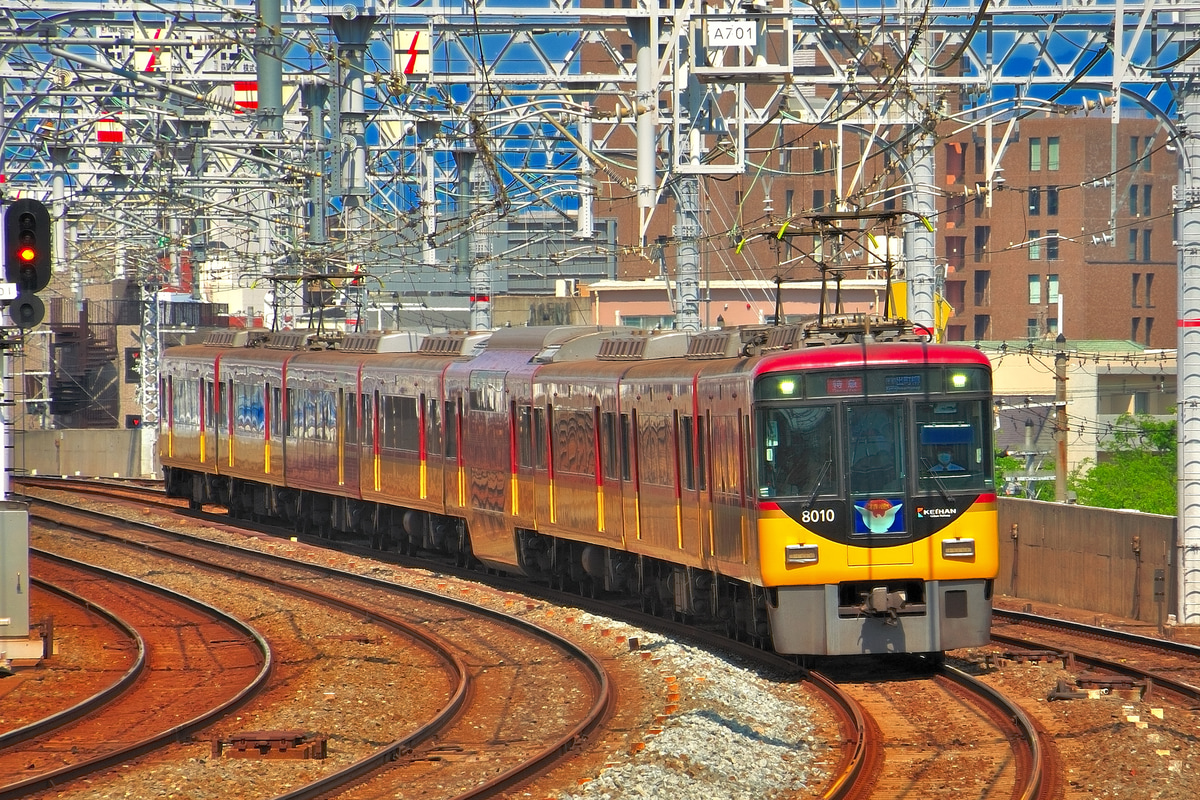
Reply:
x=539, y=438
x=626, y=448
x=223, y=395
x=432, y=425
x=350, y=404
x=368, y=417
x=401, y=427
x=451, y=441
x=687, y=452
x=409, y=433
x=524, y=436
x=287, y=412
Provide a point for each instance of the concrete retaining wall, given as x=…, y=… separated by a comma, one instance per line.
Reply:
x=1113, y=562
x=87, y=453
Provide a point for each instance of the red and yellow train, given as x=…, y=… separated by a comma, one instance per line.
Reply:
x=823, y=490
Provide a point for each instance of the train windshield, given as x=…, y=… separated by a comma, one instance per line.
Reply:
x=875, y=441
x=796, y=452
x=953, y=445
x=881, y=447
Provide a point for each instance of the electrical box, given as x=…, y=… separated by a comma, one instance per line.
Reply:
x=14, y=570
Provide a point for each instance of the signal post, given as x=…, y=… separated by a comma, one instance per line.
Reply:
x=25, y=241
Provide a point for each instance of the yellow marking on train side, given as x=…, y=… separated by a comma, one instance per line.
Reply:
x=424, y=480
x=678, y=524
x=267, y=456
x=553, y=504
x=516, y=502
x=600, y=508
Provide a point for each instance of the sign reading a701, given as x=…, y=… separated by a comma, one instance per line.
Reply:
x=730, y=33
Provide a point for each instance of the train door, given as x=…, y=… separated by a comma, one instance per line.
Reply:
x=524, y=463
x=348, y=438
x=704, y=487
x=431, y=448
x=611, y=460
x=453, y=479
x=688, y=483
x=630, y=502
x=540, y=457
x=876, y=457
x=728, y=488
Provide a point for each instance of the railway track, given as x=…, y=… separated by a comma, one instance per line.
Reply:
x=1149, y=666
x=943, y=734
x=493, y=649
x=863, y=770
x=187, y=664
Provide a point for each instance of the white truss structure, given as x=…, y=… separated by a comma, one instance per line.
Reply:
x=320, y=139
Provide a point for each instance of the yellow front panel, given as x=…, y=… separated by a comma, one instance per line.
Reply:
x=838, y=562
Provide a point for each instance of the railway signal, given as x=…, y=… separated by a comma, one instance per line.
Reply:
x=27, y=262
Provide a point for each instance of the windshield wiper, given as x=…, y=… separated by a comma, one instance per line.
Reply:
x=936, y=480
x=812, y=498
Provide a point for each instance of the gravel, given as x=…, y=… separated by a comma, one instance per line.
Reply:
x=734, y=733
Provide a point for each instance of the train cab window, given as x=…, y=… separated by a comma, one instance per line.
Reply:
x=953, y=445
x=796, y=454
x=875, y=442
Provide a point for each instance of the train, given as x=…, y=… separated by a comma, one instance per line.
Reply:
x=820, y=488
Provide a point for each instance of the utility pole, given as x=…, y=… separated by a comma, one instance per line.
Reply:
x=1060, y=420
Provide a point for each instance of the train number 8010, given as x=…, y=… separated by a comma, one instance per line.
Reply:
x=818, y=515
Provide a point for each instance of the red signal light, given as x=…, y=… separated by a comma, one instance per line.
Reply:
x=27, y=254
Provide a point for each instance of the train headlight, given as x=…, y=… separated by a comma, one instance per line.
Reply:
x=787, y=386
x=958, y=380
x=800, y=553
x=958, y=548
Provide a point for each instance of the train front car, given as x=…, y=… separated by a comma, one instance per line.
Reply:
x=876, y=497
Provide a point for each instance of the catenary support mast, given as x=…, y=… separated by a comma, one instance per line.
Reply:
x=1187, y=211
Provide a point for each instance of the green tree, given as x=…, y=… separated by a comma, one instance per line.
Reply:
x=1140, y=471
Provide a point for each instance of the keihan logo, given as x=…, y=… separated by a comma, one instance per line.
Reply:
x=936, y=513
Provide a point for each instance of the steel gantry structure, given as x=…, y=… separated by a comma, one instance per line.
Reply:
x=300, y=142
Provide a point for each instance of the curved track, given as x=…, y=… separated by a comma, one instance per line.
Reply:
x=508, y=640
x=178, y=680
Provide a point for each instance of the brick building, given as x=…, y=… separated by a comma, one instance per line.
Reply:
x=1084, y=212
